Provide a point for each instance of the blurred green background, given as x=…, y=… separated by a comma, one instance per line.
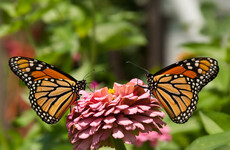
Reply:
x=78, y=35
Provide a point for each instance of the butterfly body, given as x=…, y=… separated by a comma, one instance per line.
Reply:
x=177, y=86
x=52, y=91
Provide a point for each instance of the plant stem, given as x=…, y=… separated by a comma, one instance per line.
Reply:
x=119, y=144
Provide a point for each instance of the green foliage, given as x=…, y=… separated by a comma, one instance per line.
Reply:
x=211, y=141
x=91, y=30
x=210, y=126
x=213, y=130
x=65, y=29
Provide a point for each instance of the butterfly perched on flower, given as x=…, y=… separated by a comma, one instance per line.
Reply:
x=52, y=91
x=177, y=86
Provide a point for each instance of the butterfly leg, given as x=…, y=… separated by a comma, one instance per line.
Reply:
x=70, y=108
x=77, y=106
x=141, y=86
x=150, y=94
x=90, y=88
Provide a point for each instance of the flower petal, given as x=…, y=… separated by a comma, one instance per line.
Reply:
x=148, y=128
x=137, y=81
x=85, y=122
x=144, y=96
x=117, y=133
x=96, y=138
x=121, y=120
x=144, y=107
x=154, y=113
x=84, y=145
x=127, y=110
x=130, y=110
x=107, y=126
x=129, y=137
x=109, y=111
x=109, y=119
x=117, y=111
x=99, y=113
x=77, y=126
x=130, y=127
x=143, y=119
x=138, y=125
x=84, y=134
x=96, y=122
x=122, y=106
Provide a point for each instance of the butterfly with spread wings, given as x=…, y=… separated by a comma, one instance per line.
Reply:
x=177, y=86
x=52, y=91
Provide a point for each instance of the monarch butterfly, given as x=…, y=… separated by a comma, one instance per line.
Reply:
x=177, y=86
x=52, y=91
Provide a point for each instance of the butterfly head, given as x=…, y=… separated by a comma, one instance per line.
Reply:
x=81, y=85
x=150, y=80
x=148, y=75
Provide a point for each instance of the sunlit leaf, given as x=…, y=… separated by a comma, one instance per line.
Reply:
x=26, y=118
x=220, y=118
x=23, y=6
x=203, y=49
x=9, y=8
x=191, y=126
x=117, y=35
x=3, y=141
x=210, y=142
x=4, y=30
x=210, y=126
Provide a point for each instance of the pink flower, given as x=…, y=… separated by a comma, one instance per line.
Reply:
x=93, y=84
x=17, y=47
x=153, y=137
x=121, y=113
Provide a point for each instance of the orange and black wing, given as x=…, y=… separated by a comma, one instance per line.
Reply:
x=51, y=90
x=30, y=70
x=177, y=86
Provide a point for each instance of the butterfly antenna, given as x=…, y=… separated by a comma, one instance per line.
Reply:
x=129, y=62
x=88, y=73
x=93, y=70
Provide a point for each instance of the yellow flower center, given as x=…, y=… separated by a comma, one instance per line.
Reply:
x=111, y=91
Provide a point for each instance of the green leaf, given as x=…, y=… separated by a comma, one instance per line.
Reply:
x=202, y=49
x=15, y=139
x=9, y=28
x=119, y=144
x=8, y=8
x=64, y=39
x=117, y=35
x=62, y=147
x=209, y=100
x=4, y=30
x=26, y=118
x=210, y=142
x=34, y=131
x=222, y=119
x=210, y=126
x=3, y=142
x=191, y=126
x=80, y=73
x=24, y=6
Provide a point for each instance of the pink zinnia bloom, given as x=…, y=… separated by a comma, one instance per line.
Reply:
x=153, y=137
x=121, y=112
x=93, y=84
